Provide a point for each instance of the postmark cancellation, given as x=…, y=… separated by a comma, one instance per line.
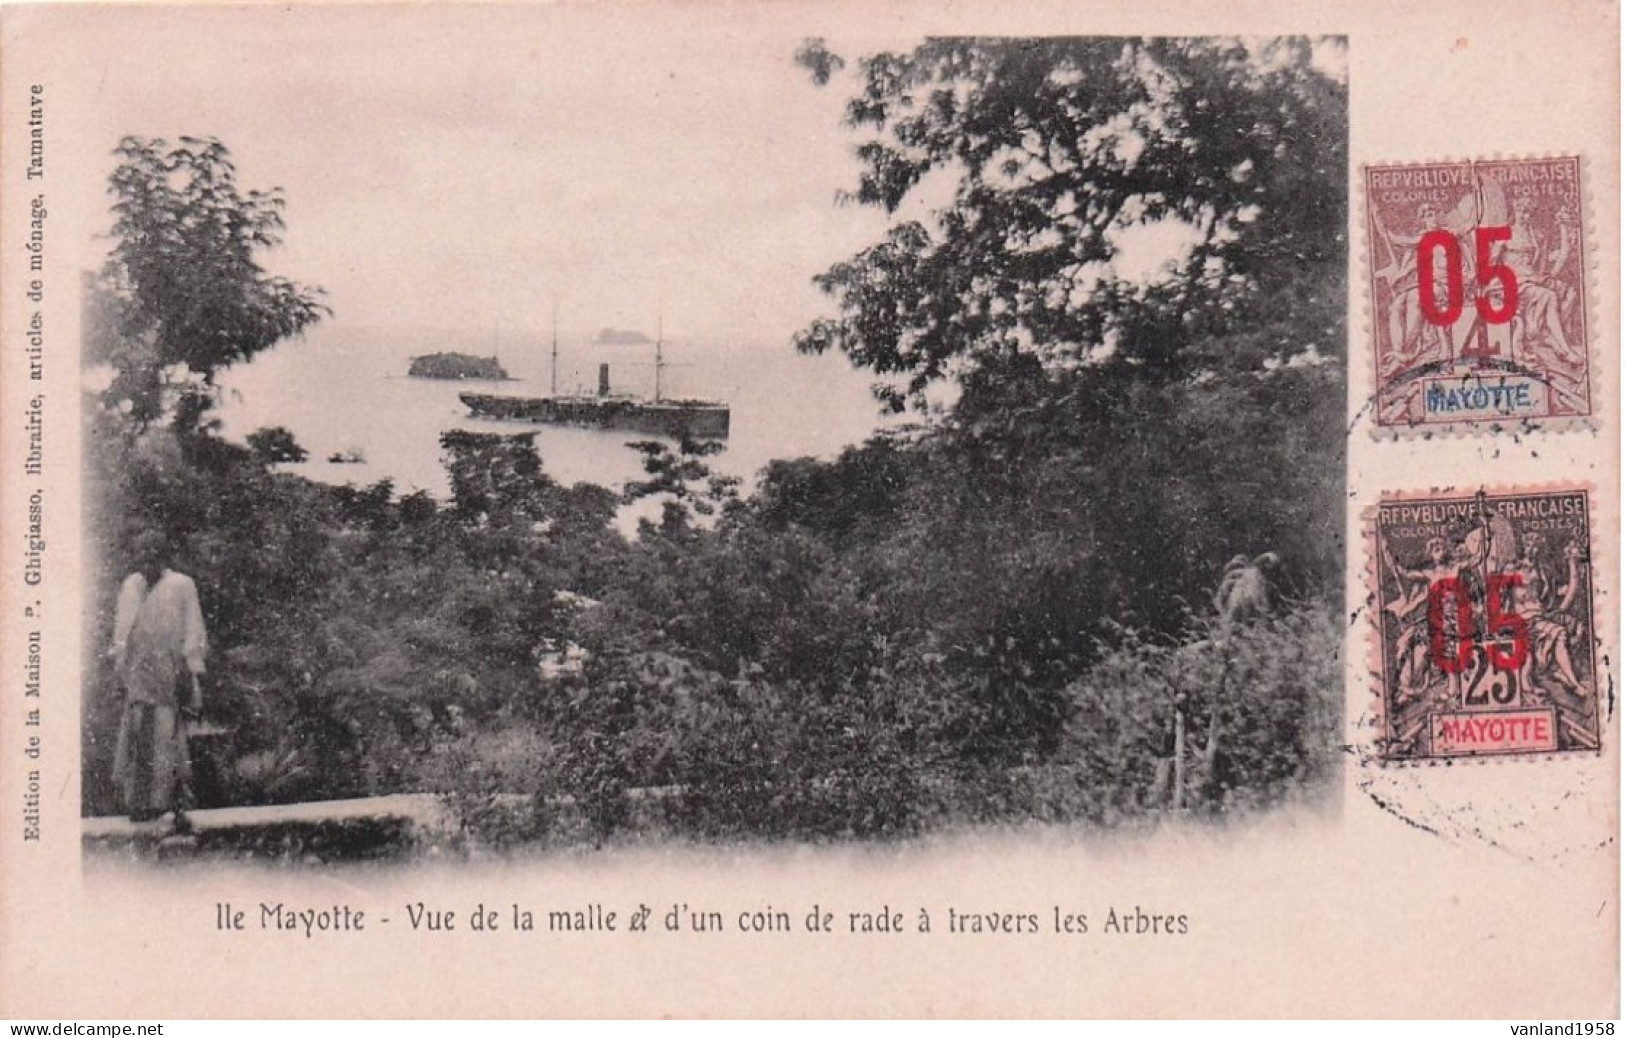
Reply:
x=1476, y=273
x=1484, y=617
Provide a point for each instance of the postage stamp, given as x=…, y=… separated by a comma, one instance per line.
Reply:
x=1483, y=605
x=1477, y=281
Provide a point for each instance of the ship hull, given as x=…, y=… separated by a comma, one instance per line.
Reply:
x=695, y=419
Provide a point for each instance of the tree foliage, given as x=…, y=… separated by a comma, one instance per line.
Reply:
x=991, y=615
x=684, y=483
x=183, y=294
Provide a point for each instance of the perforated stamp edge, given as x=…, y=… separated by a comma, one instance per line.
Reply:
x=1372, y=727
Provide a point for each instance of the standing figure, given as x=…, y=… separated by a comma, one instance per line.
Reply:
x=158, y=648
x=1410, y=336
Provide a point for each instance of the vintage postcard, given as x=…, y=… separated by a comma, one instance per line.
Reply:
x=728, y=509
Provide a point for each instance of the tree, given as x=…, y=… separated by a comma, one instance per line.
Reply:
x=496, y=480
x=686, y=484
x=1112, y=435
x=183, y=294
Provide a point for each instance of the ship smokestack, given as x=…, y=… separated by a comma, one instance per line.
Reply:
x=603, y=380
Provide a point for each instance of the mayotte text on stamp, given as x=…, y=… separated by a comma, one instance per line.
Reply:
x=1478, y=292
x=1484, y=614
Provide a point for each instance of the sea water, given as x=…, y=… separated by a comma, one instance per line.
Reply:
x=346, y=390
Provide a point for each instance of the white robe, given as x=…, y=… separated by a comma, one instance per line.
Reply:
x=158, y=640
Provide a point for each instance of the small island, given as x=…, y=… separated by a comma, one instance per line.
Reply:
x=457, y=366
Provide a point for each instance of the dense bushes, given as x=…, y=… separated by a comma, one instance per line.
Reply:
x=648, y=744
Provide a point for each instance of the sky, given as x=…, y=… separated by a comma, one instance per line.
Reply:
x=485, y=167
x=475, y=167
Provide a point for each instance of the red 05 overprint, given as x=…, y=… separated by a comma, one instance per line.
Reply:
x=1485, y=628
x=1477, y=282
